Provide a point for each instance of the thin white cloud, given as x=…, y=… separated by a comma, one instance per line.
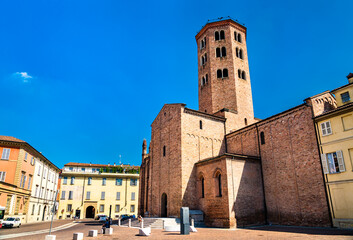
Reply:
x=24, y=76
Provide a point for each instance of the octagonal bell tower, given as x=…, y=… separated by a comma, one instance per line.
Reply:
x=224, y=78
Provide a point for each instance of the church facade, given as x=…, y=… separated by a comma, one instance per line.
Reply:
x=236, y=169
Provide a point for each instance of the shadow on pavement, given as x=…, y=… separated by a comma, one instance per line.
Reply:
x=306, y=230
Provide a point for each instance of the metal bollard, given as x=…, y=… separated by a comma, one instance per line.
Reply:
x=119, y=222
x=141, y=223
x=192, y=222
x=129, y=222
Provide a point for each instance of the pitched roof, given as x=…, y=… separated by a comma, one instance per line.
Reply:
x=11, y=139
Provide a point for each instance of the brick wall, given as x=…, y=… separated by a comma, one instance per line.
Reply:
x=166, y=170
x=198, y=144
x=242, y=202
x=294, y=187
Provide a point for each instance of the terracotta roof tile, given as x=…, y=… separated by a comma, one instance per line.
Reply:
x=9, y=138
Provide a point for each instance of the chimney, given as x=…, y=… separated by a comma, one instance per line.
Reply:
x=350, y=77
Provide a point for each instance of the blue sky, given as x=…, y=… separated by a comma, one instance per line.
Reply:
x=82, y=81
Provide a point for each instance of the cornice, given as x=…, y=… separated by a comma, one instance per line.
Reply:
x=205, y=115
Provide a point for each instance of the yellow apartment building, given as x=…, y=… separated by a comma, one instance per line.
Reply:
x=88, y=190
x=335, y=136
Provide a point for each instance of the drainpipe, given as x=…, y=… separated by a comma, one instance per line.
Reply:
x=262, y=175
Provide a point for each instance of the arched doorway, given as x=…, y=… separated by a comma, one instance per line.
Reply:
x=45, y=208
x=164, y=206
x=90, y=212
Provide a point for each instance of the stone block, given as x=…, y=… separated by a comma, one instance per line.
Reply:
x=78, y=236
x=145, y=231
x=108, y=231
x=50, y=237
x=173, y=228
x=93, y=233
x=193, y=229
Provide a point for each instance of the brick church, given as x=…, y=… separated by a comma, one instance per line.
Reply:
x=221, y=160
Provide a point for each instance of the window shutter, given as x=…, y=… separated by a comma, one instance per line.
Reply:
x=323, y=129
x=340, y=161
x=328, y=128
x=324, y=163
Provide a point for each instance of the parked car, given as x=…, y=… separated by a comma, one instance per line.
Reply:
x=11, y=222
x=125, y=217
x=100, y=215
x=103, y=219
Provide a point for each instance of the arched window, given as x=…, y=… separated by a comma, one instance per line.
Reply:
x=224, y=52
x=235, y=35
x=205, y=57
x=164, y=151
x=218, y=52
x=241, y=54
x=222, y=35
x=206, y=78
x=239, y=73
x=246, y=121
x=204, y=42
x=202, y=60
x=216, y=36
x=218, y=188
x=262, y=136
x=200, y=124
x=219, y=73
x=202, y=187
x=203, y=81
x=225, y=73
x=243, y=75
x=239, y=37
x=237, y=52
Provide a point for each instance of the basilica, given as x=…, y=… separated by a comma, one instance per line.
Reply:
x=220, y=160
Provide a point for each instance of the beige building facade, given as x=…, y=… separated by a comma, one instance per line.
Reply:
x=89, y=190
x=335, y=136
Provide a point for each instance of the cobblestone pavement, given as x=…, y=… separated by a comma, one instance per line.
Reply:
x=265, y=232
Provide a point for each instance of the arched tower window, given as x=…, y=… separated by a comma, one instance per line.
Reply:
x=239, y=37
x=222, y=35
x=241, y=54
x=235, y=35
x=203, y=81
x=216, y=36
x=219, y=73
x=243, y=75
x=237, y=52
x=246, y=121
x=225, y=73
x=224, y=52
x=164, y=151
x=206, y=78
x=262, y=137
x=239, y=73
x=202, y=60
x=218, y=52
x=200, y=124
x=205, y=57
